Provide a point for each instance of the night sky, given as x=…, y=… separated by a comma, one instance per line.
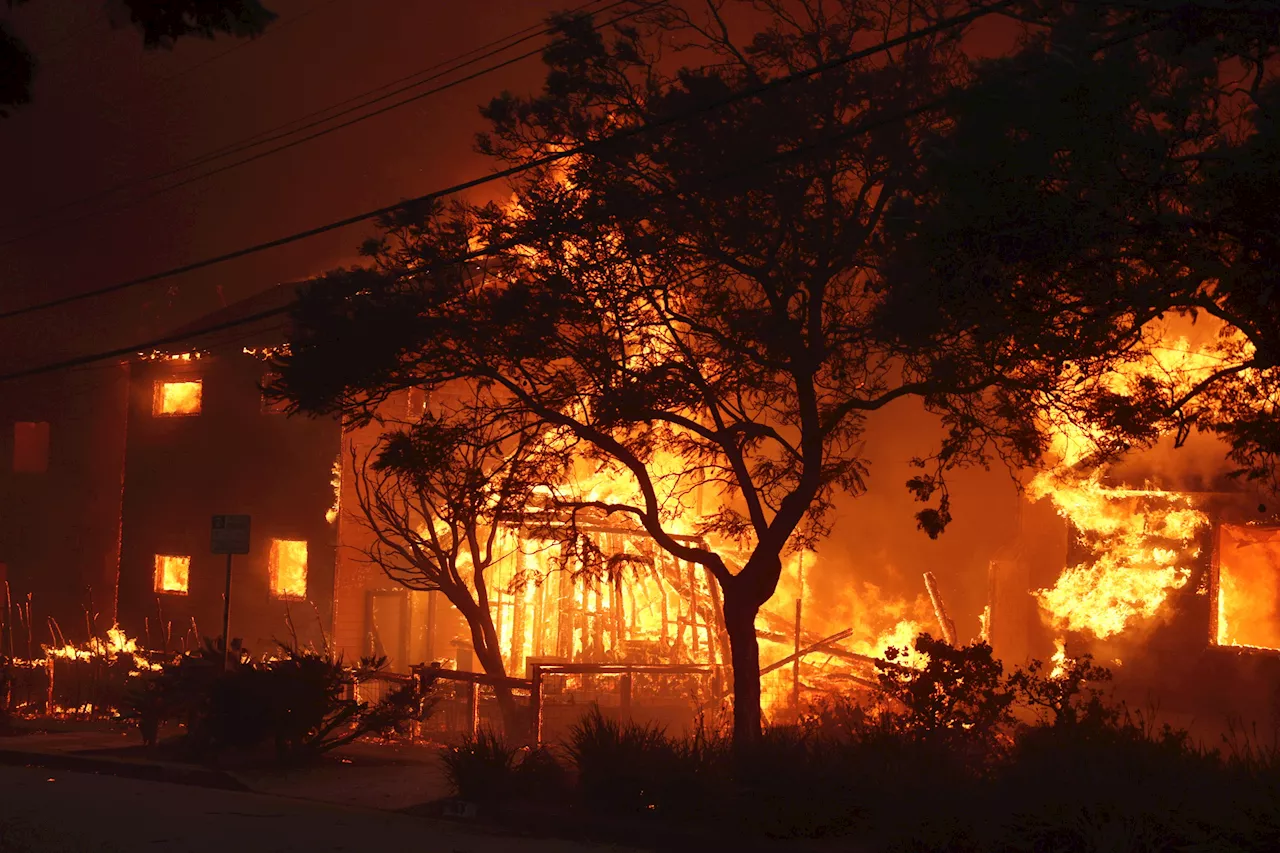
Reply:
x=106, y=112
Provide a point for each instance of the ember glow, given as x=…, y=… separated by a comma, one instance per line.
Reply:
x=157, y=355
x=335, y=480
x=177, y=398
x=287, y=566
x=173, y=574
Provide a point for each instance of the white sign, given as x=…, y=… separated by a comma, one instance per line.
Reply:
x=230, y=534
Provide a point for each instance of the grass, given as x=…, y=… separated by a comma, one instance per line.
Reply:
x=1082, y=776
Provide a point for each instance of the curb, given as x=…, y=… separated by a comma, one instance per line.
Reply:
x=150, y=772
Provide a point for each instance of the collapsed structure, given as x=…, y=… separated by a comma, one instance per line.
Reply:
x=1177, y=590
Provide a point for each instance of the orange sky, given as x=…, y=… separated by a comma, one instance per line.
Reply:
x=105, y=111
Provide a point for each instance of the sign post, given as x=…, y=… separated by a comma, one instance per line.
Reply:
x=229, y=535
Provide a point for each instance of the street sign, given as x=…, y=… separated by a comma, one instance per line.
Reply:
x=230, y=534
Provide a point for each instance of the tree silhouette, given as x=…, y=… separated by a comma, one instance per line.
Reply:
x=1120, y=162
x=698, y=297
x=161, y=22
x=444, y=498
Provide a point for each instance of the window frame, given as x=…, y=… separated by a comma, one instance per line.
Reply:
x=157, y=396
x=157, y=575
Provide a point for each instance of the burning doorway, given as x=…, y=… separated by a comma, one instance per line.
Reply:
x=1248, y=587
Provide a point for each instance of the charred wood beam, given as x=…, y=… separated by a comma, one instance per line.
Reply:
x=940, y=609
x=810, y=649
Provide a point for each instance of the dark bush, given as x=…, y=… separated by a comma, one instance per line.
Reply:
x=959, y=695
x=299, y=703
x=623, y=766
x=481, y=769
x=539, y=776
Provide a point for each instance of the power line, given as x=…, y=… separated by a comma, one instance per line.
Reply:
x=279, y=132
x=479, y=253
x=156, y=343
x=511, y=171
x=485, y=51
x=849, y=133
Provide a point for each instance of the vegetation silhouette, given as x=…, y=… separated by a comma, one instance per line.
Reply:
x=161, y=23
x=685, y=310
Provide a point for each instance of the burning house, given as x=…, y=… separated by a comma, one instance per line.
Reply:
x=1174, y=590
x=1177, y=590
x=201, y=442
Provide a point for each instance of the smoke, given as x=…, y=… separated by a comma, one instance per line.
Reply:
x=876, y=556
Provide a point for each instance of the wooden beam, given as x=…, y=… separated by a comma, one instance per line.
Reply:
x=815, y=647
x=940, y=609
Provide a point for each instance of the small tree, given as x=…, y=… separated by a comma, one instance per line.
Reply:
x=957, y=693
x=443, y=499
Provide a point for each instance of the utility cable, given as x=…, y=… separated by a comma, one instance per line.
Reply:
x=502, y=174
x=281, y=131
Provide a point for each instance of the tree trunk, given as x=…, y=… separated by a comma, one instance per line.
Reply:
x=491, y=661
x=740, y=623
x=484, y=639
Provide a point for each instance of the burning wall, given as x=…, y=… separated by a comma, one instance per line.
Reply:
x=200, y=443
x=1248, y=587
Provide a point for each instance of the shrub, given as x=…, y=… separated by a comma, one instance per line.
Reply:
x=958, y=695
x=623, y=767
x=539, y=776
x=1066, y=698
x=298, y=703
x=481, y=769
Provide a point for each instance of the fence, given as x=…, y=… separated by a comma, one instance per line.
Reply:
x=557, y=694
x=64, y=686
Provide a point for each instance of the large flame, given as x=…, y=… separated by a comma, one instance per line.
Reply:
x=1140, y=545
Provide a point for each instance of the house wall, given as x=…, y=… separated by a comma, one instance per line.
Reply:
x=59, y=528
x=234, y=457
x=372, y=613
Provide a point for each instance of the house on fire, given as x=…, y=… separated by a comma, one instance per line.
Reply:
x=98, y=537
x=201, y=440
x=1175, y=586
x=109, y=481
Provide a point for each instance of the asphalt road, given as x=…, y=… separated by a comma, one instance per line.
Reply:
x=44, y=811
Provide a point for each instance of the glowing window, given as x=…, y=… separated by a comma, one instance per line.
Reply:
x=288, y=568
x=172, y=399
x=173, y=573
x=1249, y=587
x=30, y=447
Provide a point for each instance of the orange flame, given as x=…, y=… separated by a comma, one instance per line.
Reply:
x=1141, y=541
